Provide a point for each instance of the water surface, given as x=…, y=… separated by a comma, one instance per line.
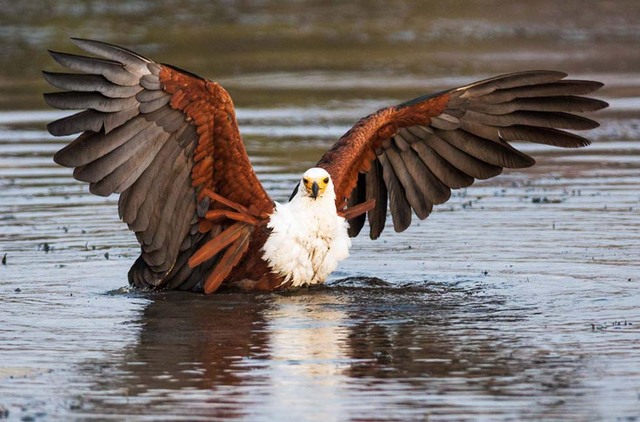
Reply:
x=516, y=300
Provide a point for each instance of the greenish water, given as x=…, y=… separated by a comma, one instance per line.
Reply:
x=516, y=300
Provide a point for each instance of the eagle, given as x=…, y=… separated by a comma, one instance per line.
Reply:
x=168, y=142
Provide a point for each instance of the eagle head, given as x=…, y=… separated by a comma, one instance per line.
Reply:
x=315, y=182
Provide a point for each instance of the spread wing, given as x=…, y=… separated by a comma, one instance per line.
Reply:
x=411, y=155
x=161, y=137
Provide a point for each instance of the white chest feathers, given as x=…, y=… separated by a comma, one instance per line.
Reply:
x=308, y=240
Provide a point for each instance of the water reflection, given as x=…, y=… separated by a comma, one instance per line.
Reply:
x=308, y=342
x=355, y=349
x=203, y=351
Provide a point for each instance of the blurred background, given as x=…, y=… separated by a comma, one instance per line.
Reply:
x=301, y=46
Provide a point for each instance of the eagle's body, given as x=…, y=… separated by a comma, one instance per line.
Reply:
x=169, y=143
x=308, y=238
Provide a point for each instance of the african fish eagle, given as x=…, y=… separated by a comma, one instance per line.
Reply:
x=168, y=142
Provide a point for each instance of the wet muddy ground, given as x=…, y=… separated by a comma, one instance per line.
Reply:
x=516, y=300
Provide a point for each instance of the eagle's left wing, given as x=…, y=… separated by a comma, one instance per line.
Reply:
x=411, y=155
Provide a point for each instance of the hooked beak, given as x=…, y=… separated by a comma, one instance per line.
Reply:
x=314, y=190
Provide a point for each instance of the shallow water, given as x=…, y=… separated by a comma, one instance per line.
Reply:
x=516, y=300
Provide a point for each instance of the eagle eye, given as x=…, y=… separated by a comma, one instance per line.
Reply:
x=326, y=180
